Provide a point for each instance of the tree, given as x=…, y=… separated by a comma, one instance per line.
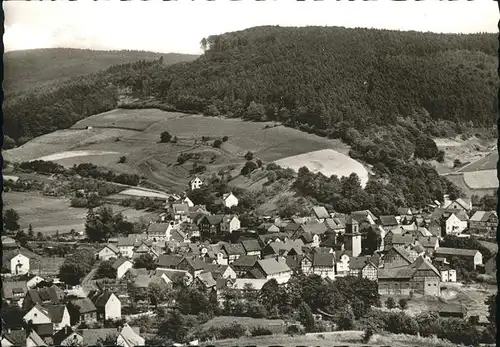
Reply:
x=145, y=261
x=249, y=155
x=165, y=137
x=103, y=224
x=271, y=176
x=488, y=203
x=457, y=163
x=174, y=327
x=345, y=318
x=491, y=302
x=249, y=167
x=306, y=317
x=11, y=220
x=122, y=160
x=217, y=143
x=21, y=238
x=270, y=294
x=8, y=142
x=256, y=111
x=106, y=270
x=158, y=294
x=77, y=266
x=225, y=138
x=390, y=303
x=31, y=233
x=403, y=304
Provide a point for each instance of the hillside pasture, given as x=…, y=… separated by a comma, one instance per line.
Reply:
x=135, y=134
x=485, y=179
x=49, y=215
x=329, y=162
x=459, y=180
x=486, y=163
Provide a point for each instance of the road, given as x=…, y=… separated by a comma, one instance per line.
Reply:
x=87, y=282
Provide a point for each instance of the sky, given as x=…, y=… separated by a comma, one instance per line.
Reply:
x=178, y=26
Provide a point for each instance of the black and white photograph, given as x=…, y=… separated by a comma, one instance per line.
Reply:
x=250, y=173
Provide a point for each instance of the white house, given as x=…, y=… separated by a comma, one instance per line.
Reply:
x=470, y=255
x=108, y=251
x=160, y=232
x=126, y=246
x=122, y=265
x=37, y=315
x=229, y=200
x=34, y=281
x=454, y=225
x=195, y=183
x=129, y=338
x=449, y=276
x=109, y=307
x=230, y=224
x=272, y=268
x=34, y=340
x=17, y=263
x=188, y=201
x=342, y=263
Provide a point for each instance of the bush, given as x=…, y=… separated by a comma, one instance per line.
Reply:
x=165, y=137
x=225, y=138
x=294, y=330
x=249, y=167
x=217, y=143
x=403, y=304
x=249, y=156
x=390, y=303
x=260, y=331
x=122, y=160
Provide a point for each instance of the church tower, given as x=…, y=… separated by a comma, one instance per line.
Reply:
x=352, y=237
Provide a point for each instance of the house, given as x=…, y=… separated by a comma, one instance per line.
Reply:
x=126, y=246
x=310, y=240
x=44, y=296
x=159, y=232
x=249, y=284
x=180, y=213
x=289, y=247
x=129, y=337
x=188, y=201
x=210, y=225
x=251, y=247
x=364, y=216
x=37, y=315
x=457, y=204
x=363, y=267
x=230, y=224
x=244, y=264
x=451, y=310
x=8, y=243
x=82, y=310
x=108, y=252
x=430, y=243
x=122, y=265
x=14, y=292
x=15, y=262
x=448, y=275
x=318, y=229
x=320, y=213
x=472, y=256
x=484, y=222
x=405, y=211
x=454, y=223
x=335, y=225
x=265, y=239
x=397, y=256
x=33, y=280
x=342, y=263
x=195, y=183
x=55, y=315
x=67, y=337
x=272, y=268
x=232, y=251
x=402, y=240
x=59, y=316
x=205, y=280
x=268, y=228
x=174, y=276
x=388, y=222
x=34, y=340
x=420, y=277
x=193, y=265
x=169, y=261
x=229, y=200
x=107, y=304
x=321, y=264
x=17, y=338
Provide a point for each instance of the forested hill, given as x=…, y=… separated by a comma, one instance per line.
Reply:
x=337, y=82
x=28, y=68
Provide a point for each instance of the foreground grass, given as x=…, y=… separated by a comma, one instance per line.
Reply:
x=347, y=338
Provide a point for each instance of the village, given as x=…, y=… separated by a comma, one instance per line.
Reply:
x=186, y=245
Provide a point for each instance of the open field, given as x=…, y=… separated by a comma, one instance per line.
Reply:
x=135, y=134
x=481, y=179
x=459, y=180
x=488, y=162
x=328, y=162
x=338, y=338
x=143, y=193
x=49, y=214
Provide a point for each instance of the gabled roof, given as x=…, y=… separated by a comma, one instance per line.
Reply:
x=402, y=239
x=157, y=228
x=131, y=336
x=195, y=263
x=11, y=288
x=84, y=305
x=358, y=263
x=233, y=249
x=8, y=254
x=294, y=261
x=36, y=339
x=119, y=262
x=227, y=195
x=315, y=228
x=242, y=283
x=334, y=223
x=62, y=335
x=403, y=253
x=173, y=275
x=100, y=298
x=456, y=252
x=245, y=261
x=167, y=260
x=207, y=279
x=423, y=264
x=251, y=245
x=180, y=208
x=464, y=203
x=272, y=266
x=388, y=221
x=323, y=259
x=483, y=216
x=213, y=219
x=320, y=212
x=322, y=250
x=112, y=247
x=55, y=312
x=291, y=227
x=126, y=242
x=427, y=242
x=17, y=337
x=54, y=294
x=44, y=330
x=404, y=211
x=360, y=216
x=265, y=238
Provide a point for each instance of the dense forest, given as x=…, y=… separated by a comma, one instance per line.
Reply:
x=385, y=93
